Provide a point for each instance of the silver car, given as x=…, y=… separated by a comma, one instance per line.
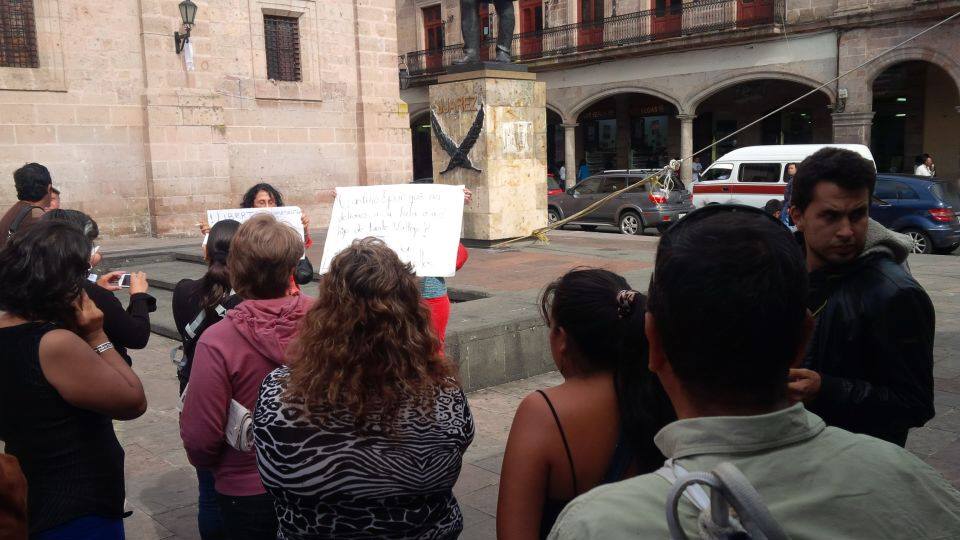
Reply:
x=632, y=212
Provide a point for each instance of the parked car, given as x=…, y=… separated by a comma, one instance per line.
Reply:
x=553, y=188
x=632, y=212
x=924, y=208
x=753, y=175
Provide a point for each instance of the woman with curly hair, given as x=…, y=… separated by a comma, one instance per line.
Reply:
x=363, y=435
x=62, y=383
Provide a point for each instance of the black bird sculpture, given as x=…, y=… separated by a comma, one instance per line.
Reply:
x=459, y=155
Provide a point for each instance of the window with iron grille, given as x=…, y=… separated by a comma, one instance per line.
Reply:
x=282, y=40
x=18, y=34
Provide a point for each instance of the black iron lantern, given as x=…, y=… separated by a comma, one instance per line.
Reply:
x=188, y=14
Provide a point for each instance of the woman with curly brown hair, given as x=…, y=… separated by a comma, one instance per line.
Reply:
x=363, y=435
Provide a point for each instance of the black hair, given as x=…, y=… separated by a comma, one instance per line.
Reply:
x=736, y=279
x=215, y=286
x=32, y=181
x=251, y=194
x=603, y=319
x=845, y=168
x=772, y=206
x=42, y=270
x=84, y=222
x=925, y=157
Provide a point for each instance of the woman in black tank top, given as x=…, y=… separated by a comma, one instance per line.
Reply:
x=598, y=426
x=61, y=385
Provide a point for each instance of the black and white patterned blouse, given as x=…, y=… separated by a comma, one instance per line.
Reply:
x=330, y=482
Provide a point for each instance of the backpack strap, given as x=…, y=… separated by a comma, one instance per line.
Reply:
x=694, y=493
x=22, y=215
x=220, y=309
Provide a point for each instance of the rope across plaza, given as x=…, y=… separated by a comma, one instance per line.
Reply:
x=659, y=178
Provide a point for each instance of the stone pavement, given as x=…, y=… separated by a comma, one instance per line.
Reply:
x=161, y=484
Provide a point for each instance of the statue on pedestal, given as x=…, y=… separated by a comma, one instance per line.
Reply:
x=470, y=28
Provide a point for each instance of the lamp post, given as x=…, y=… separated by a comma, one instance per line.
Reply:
x=188, y=13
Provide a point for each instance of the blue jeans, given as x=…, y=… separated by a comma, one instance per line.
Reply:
x=208, y=511
x=84, y=528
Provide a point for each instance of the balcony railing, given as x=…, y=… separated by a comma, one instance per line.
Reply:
x=698, y=17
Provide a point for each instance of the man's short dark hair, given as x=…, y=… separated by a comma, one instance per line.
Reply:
x=32, y=181
x=773, y=205
x=845, y=168
x=728, y=295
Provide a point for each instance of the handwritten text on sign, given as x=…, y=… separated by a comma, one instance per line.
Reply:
x=289, y=215
x=420, y=222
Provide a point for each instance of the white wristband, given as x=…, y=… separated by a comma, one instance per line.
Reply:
x=103, y=347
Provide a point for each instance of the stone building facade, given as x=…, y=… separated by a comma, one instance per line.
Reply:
x=145, y=142
x=701, y=69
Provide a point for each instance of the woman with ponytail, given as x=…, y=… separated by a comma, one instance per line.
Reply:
x=597, y=426
x=197, y=305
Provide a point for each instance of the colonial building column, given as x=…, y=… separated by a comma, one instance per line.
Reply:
x=686, y=146
x=852, y=127
x=570, y=153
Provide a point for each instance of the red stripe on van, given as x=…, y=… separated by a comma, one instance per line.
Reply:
x=712, y=188
x=760, y=189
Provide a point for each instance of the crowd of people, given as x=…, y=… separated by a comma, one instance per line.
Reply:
x=340, y=416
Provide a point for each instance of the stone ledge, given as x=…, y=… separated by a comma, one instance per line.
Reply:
x=486, y=73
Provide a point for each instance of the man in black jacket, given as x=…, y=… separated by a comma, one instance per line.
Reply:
x=869, y=367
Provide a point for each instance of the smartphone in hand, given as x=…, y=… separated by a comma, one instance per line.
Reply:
x=124, y=281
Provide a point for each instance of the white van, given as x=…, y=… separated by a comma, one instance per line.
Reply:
x=753, y=175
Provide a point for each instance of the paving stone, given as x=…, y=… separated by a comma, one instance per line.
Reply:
x=484, y=530
x=472, y=516
x=948, y=420
x=492, y=464
x=484, y=499
x=927, y=441
x=140, y=526
x=181, y=521
x=473, y=478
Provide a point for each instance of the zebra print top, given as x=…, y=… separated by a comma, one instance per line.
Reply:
x=330, y=482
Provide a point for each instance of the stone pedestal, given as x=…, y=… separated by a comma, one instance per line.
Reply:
x=510, y=188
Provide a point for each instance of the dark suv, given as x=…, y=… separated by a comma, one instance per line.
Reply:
x=645, y=207
x=924, y=208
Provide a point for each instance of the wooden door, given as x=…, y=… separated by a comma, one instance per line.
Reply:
x=531, y=28
x=433, y=36
x=486, y=31
x=751, y=12
x=667, y=18
x=590, y=35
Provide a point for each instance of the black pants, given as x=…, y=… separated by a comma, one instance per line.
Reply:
x=248, y=518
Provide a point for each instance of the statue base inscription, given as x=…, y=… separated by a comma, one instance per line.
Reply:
x=489, y=134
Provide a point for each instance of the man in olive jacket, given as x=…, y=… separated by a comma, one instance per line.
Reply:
x=869, y=367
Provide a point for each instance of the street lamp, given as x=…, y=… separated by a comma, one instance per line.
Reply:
x=188, y=13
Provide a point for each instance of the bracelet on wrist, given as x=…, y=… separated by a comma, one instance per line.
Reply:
x=103, y=347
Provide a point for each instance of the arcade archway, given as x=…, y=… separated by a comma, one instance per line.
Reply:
x=915, y=112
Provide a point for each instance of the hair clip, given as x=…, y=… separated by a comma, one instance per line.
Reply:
x=625, y=302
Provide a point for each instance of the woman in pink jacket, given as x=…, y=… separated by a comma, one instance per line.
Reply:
x=231, y=360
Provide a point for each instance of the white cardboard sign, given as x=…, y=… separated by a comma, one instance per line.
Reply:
x=290, y=215
x=420, y=222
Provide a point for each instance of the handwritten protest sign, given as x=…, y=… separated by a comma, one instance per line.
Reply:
x=420, y=222
x=291, y=215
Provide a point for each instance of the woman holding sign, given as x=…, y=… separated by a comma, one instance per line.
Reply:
x=433, y=290
x=264, y=195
